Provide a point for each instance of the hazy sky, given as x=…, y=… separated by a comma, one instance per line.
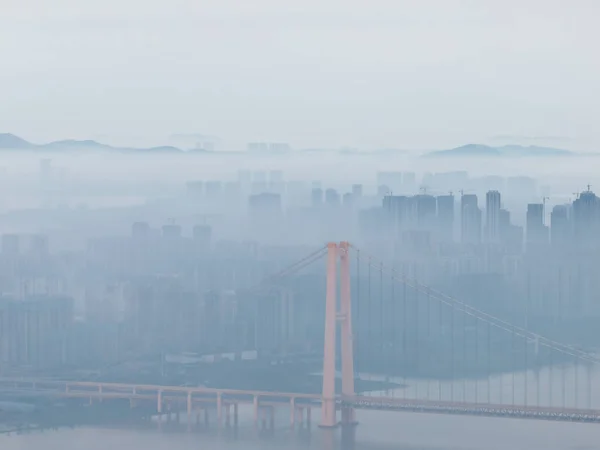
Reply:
x=401, y=73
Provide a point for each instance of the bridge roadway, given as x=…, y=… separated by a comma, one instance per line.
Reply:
x=472, y=409
x=166, y=396
x=203, y=397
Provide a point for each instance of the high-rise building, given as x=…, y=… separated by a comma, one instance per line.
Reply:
x=409, y=182
x=445, y=215
x=275, y=176
x=194, y=189
x=560, y=226
x=279, y=147
x=171, y=230
x=276, y=182
x=537, y=233
x=504, y=223
x=586, y=218
x=470, y=216
x=202, y=234
x=34, y=331
x=492, y=216
x=265, y=205
x=259, y=176
x=259, y=182
x=426, y=212
x=266, y=217
x=357, y=191
x=244, y=177
x=332, y=197
x=400, y=213
x=10, y=244
x=257, y=147
x=232, y=189
x=140, y=229
x=383, y=190
x=38, y=244
x=213, y=188
x=316, y=197
x=348, y=199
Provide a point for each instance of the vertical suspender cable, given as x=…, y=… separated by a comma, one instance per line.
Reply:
x=489, y=362
x=417, y=373
x=404, y=365
x=369, y=323
x=382, y=341
x=394, y=344
x=356, y=330
x=464, y=354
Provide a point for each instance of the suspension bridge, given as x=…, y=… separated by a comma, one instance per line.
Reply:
x=429, y=351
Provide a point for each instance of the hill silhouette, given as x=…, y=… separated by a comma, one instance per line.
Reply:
x=480, y=150
x=10, y=141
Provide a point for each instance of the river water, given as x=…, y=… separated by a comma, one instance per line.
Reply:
x=377, y=430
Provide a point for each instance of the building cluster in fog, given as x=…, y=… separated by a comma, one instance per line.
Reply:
x=182, y=273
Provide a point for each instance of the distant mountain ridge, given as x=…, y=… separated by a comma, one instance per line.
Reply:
x=11, y=142
x=8, y=140
x=481, y=150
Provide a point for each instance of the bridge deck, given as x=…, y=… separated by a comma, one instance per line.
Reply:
x=473, y=409
x=203, y=395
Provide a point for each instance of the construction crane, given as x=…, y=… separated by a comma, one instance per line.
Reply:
x=544, y=209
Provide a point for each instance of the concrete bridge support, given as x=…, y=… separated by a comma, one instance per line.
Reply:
x=328, y=402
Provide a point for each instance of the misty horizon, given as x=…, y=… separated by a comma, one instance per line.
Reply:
x=394, y=74
x=252, y=225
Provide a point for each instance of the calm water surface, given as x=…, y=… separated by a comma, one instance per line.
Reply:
x=377, y=430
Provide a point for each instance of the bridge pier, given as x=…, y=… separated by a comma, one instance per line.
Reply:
x=189, y=409
x=255, y=404
x=299, y=417
x=263, y=413
x=328, y=413
x=328, y=402
x=348, y=413
x=348, y=416
x=292, y=413
x=219, y=411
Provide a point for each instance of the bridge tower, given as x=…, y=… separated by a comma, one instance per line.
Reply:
x=337, y=252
